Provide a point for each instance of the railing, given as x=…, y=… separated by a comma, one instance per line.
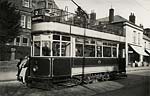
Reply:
x=61, y=16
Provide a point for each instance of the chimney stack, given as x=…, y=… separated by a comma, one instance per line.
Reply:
x=111, y=15
x=92, y=17
x=132, y=18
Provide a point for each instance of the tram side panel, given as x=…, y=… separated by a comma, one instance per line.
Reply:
x=61, y=67
x=94, y=65
x=58, y=67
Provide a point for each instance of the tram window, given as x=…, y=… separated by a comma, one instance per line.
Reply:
x=89, y=51
x=65, y=38
x=107, y=51
x=114, y=52
x=79, y=40
x=46, y=48
x=99, y=51
x=37, y=48
x=92, y=42
x=65, y=49
x=56, y=48
x=79, y=50
x=56, y=37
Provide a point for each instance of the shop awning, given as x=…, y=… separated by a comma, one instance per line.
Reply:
x=139, y=50
x=148, y=50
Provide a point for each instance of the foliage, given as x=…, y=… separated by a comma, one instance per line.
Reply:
x=9, y=22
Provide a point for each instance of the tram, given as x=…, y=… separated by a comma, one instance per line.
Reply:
x=62, y=50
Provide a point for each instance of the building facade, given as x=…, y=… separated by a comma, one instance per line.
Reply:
x=136, y=42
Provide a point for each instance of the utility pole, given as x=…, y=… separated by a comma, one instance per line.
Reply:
x=84, y=15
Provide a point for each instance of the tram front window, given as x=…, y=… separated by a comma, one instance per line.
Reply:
x=37, y=48
x=46, y=48
x=56, y=48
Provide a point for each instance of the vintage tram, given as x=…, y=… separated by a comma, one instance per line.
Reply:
x=64, y=51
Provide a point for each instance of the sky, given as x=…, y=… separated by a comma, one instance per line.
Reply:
x=140, y=8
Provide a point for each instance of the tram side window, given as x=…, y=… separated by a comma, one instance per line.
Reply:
x=114, y=52
x=89, y=51
x=99, y=51
x=79, y=50
x=65, y=49
x=106, y=51
x=37, y=48
x=46, y=48
x=56, y=48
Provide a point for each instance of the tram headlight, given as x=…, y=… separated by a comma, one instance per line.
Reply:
x=35, y=68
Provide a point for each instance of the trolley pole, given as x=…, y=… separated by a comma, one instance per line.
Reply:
x=81, y=13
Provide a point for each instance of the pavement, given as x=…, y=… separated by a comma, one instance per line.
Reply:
x=11, y=75
x=132, y=69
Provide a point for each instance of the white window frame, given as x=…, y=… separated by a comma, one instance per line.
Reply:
x=139, y=41
x=15, y=41
x=23, y=21
x=134, y=37
x=26, y=3
x=28, y=22
x=25, y=44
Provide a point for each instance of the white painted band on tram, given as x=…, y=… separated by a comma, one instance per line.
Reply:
x=64, y=28
x=89, y=70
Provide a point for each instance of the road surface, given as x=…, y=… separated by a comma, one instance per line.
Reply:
x=137, y=84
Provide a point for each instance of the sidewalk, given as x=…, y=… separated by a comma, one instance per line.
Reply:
x=131, y=69
x=10, y=76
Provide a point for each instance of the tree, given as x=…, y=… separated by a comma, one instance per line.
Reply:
x=9, y=22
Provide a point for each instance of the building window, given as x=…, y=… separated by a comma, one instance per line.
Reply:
x=26, y=3
x=139, y=39
x=23, y=21
x=41, y=4
x=50, y=5
x=18, y=41
x=29, y=22
x=25, y=41
x=134, y=37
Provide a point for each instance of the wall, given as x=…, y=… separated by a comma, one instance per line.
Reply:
x=21, y=51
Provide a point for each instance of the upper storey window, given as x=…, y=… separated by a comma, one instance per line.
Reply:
x=26, y=3
x=134, y=37
x=23, y=21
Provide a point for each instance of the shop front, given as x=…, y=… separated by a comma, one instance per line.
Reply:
x=136, y=55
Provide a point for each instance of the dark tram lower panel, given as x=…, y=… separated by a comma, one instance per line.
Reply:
x=65, y=67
